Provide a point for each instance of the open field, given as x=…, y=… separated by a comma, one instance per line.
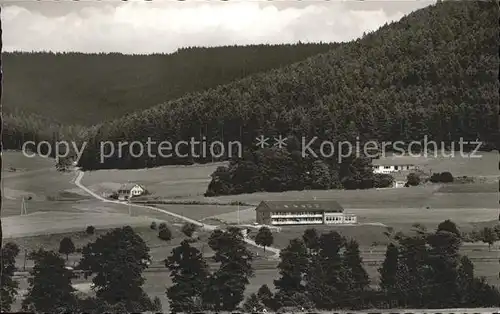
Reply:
x=200, y=212
x=52, y=222
x=470, y=188
x=190, y=182
x=466, y=204
x=21, y=163
x=167, y=182
x=412, y=197
x=37, y=179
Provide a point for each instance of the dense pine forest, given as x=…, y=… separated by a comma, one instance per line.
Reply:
x=86, y=89
x=432, y=73
x=50, y=96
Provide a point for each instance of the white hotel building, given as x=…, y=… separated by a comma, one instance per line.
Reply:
x=302, y=213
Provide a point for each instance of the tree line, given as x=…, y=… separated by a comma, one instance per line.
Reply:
x=282, y=169
x=422, y=269
x=429, y=74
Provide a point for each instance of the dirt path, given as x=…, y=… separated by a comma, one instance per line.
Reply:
x=204, y=226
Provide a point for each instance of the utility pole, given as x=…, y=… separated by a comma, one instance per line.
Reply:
x=24, y=210
x=238, y=214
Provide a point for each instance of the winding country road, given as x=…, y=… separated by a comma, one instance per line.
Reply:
x=204, y=226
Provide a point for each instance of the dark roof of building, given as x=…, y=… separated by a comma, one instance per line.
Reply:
x=291, y=206
x=129, y=186
x=398, y=161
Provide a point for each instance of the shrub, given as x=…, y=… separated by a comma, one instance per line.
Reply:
x=157, y=306
x=153, y=225
x=412, y=179
x=435, y=177
x=382, y=180
x=162, y=226
x=90, y=230
x=165, y=234
x=446, y=177
x=443, y=177
x=188, y=229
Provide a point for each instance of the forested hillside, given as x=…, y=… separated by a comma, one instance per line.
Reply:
x=76, y=88
x=433, y=73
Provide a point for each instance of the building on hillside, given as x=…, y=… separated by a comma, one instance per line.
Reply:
x=391, y=165
x=129, y=190
x=302, y=213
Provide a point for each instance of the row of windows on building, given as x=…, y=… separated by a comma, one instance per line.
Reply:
x=302, y=206
x=308, y=219
x=296, y=213
x=340, y=218
x=400, y=167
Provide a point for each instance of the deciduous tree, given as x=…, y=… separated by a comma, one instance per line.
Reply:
x=117, y=260
x=66, y=247
x=264, y=237
x=50, y=289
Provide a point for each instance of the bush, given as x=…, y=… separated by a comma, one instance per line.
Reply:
x=443, y=177
x=90, y=230
x=157, y=306
x=188, y=229
x=153, y=225
x=165, y=234
x=446, y=177
x=435, y=177
x=162, y=226
x=382, y=180
x=412, y=179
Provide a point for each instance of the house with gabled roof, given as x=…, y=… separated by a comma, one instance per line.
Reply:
x=128, y=190
x=302, y=212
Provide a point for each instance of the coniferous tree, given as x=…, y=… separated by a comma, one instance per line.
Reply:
x=357, y=277
x=227, y=284
x=292, y=268
x=189, y=272
x=326, y=279
x=388, y=273
x=266, y=297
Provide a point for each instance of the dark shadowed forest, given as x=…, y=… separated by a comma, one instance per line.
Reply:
x=432, y=73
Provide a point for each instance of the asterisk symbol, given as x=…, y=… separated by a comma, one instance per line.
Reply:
x=280, y=141
x=262, y=141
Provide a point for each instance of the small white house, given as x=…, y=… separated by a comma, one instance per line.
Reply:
x=129, y=190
